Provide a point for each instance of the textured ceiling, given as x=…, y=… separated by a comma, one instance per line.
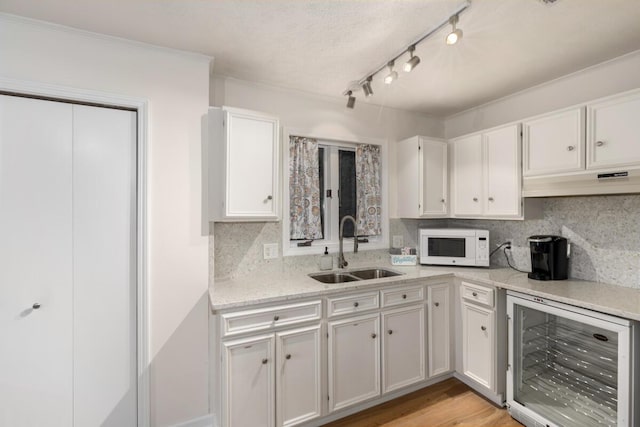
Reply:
x=320, y=46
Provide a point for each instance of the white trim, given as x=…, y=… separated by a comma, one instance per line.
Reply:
x=338, y=139
x=141, y=106
x=204, y=421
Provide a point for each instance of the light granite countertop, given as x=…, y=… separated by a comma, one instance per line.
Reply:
x=292, y=285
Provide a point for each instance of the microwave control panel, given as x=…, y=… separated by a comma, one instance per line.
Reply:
x=482, y=249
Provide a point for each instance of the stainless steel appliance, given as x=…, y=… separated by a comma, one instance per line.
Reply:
x=570, y=367
x=549, y=257
x=454, y=246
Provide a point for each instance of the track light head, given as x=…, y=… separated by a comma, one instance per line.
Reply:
x=413, y=61
x=392, y=74
x=456, y=34
x=366, y=87
x=351, y=101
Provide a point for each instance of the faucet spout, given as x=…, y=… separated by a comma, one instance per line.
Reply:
x=342, y=263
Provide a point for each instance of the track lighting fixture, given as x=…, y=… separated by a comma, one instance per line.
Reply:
x=351, y=101
x=393, y=75
x=452, y=38
x=413, y=61
x=456, y=33
x=366, y=87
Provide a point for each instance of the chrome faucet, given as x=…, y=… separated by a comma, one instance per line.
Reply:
x=342, y=263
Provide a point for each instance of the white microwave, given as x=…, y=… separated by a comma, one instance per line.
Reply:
x=454, y=246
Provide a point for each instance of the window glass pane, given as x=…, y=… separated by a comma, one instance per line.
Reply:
x=347, y=166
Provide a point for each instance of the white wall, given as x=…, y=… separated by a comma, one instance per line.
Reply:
x=617, y=75
x=176, y=86
x=328, y=116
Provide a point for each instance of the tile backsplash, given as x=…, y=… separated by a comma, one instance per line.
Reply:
x=604, y=232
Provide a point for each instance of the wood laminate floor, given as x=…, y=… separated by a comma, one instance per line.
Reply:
x=449, y=403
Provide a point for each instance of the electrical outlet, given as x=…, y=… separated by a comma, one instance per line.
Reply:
x=270, y=250
x=398, y=241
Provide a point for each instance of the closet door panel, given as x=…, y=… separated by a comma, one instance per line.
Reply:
x=104, y=269
x=35, y=262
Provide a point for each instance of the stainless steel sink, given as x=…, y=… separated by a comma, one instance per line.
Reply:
x=334, y=277
x=352, y=276
x=374, y=273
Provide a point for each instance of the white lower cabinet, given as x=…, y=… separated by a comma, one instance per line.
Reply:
x=267, y=386
x=439, y=329
x=354, y=360
x=478, y=344
x=403, y=347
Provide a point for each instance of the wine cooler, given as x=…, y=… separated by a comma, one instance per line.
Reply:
x=570, y=367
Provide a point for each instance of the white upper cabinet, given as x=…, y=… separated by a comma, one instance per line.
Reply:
x=243, y=165
x=554, y=143
x=613, y=132
x=487, y=174
x=421, y=165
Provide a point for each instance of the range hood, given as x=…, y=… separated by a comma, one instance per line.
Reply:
x=583, y=184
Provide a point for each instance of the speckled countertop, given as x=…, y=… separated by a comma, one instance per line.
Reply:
x=292, y=285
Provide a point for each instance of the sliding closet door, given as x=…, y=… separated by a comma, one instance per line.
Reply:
x=36, y=311
x=104, y=273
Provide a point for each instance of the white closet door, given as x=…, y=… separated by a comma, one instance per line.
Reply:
x=104, y=273
x=35, y=263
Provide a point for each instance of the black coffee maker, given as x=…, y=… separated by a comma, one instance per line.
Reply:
x=549, y=257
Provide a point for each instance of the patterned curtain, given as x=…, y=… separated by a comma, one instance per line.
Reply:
x=304, y=185
x=368, y=190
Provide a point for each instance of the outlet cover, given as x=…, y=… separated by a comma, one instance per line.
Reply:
x=270, y=250
x=398, y=241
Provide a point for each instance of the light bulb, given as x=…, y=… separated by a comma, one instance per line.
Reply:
x=453, y=37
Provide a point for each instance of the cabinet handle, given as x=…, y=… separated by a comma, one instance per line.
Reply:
x=36, y=305
x=276, y=318
x=571, y=148
x=355, y=304
x=264, y=361
x=484, y=328
x=599, y=143
x=373, y=336
x=437, y=304
x=491, y=199
x=404, y=296
x=475, y=294
x=475, y=199
x=442, y=200
x=288, y=356
x=390, y=331
x=269, y=197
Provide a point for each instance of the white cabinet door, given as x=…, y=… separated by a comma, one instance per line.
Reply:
x=434, y=178
x=354, y=360
x=298, y=376
x=243, y=165
x=439, y=329
x=248, y=388
x=408, y=178
x=613, y=132
x=502, y=163
x=478, y=344
x=468, y=178
x=403, y=347
x=554, y=143
x=36, y=379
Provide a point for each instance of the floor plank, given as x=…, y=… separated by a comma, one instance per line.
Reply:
x=449, y=403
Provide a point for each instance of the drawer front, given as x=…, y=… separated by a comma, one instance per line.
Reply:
x=352, y=304
x=391, y=297
x=478, y=294
x=270, y=317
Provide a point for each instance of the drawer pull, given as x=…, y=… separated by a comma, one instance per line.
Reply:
x=475, y=294
x=475, y=199
x=484, y=328
x=36, y=305
x=264, y=361
x=269, y=197
x=373, y=336
x=491, y=199
x=437, y=304
x=571, y=148
x=355, y=304
x=404, y=296
x=288, y=356
x=600, y=143
x=276, y=318
x=390, y=332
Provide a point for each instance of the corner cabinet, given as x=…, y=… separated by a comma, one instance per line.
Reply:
x=487, y=174
x=243, y=153
x=421, y=165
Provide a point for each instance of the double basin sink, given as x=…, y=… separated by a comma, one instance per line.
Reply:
x=353, y=276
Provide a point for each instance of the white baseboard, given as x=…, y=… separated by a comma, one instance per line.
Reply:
x=205, y=421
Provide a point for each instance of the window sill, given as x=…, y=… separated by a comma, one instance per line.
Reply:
x=318, y=248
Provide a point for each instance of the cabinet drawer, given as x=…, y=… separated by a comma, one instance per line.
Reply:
x=393, y=297
x=352, y=304
x=270, y=317
x=477, y=294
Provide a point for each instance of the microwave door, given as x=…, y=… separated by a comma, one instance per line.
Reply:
x=449, y=250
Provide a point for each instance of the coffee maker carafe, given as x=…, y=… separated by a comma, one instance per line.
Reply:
x=549, y=257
